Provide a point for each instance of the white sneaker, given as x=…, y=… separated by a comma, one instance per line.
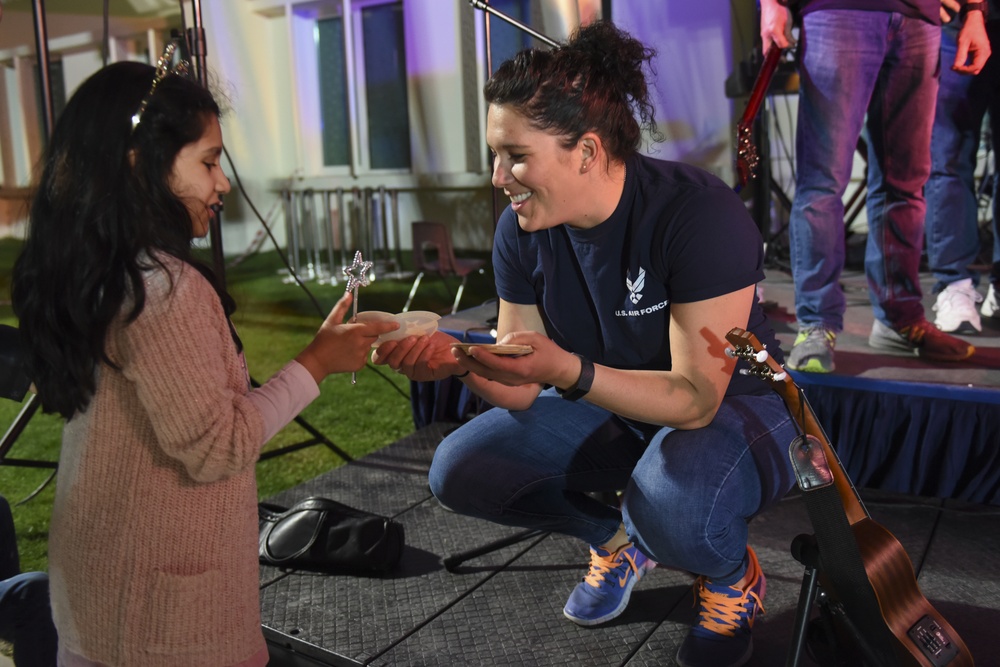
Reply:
x=991, y=306
x=956, y=308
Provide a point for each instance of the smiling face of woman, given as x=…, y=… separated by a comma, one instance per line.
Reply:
x=541, y=177
x=197, y=178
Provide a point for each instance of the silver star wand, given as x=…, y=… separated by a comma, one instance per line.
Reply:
x=357, y=275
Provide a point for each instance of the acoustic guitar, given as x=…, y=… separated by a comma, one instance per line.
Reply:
x=918, y=634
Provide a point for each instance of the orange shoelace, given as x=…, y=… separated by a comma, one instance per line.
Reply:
x=601, y=566
x=914, y=333
x=722, y=614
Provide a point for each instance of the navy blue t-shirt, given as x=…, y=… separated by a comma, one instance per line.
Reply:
x=678, y=234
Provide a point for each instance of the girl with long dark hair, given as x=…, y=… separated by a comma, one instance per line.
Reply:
x=153, y=539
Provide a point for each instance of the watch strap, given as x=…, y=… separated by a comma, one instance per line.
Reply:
x=582, y=385
x=971, y=7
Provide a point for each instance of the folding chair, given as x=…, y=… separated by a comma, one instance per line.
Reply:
x=434, y=253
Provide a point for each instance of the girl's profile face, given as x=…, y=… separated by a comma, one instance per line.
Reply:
x=196, y=177
x=535, y=171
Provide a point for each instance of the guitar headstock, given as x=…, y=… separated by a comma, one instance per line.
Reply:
x=762, y=364
x=747, y=158
x=804, y=453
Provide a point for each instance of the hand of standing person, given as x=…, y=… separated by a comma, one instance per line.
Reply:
x=973, y=44
x=948, y=9
x=775, y=25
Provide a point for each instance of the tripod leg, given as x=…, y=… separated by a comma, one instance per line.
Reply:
x=451, y=563
x=317, y=439
x=11, y=436
x=15, y=430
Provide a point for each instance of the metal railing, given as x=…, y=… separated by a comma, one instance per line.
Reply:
x=325, y=227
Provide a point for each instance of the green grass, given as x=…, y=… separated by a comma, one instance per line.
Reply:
x=275, y=320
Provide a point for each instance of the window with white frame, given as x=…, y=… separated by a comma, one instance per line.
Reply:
x=356, y=60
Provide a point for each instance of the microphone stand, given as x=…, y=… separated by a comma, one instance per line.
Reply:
x=197, y=44
x=29, y=409
x=485, y=6
x=44, y=79
x=453, y=562
x=199, y=51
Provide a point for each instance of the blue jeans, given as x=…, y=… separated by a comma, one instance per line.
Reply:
x=688, y=495
x=25, y=615
x=853, y=62
x=952, y=201
x=26, y=619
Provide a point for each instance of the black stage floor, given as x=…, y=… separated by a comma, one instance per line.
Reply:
x=505, y=607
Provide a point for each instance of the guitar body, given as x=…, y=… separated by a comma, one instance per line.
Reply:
x=920, y=636
x=903, y=605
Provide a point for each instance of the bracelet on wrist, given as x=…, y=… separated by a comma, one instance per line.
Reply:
x=972, y=7
x=582, y=385
x=459, y=377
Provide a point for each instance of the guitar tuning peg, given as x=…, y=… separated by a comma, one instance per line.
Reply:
x=744, y=371
x=779, y=377
x=761, y=356
x=731, y=353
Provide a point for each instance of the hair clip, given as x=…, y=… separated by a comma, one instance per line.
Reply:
x=164, y=68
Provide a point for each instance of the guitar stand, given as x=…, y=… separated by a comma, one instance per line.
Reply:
x=806, y=551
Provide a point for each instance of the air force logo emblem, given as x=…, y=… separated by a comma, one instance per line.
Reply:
x=635, y=288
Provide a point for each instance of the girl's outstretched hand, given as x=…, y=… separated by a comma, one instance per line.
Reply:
x=340, y=347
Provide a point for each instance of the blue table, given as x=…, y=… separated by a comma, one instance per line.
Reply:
x=449, y=400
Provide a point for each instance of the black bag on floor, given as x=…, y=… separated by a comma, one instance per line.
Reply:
x=323, y=535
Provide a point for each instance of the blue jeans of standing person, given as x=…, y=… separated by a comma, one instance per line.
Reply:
x=855, y=63
x=952, y=199
x=688, y=495
x=26, y=619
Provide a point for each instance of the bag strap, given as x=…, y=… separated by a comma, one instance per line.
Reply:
x=272, y=520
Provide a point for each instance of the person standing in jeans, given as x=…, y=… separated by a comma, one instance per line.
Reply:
x=870, y=63
x=952, y=201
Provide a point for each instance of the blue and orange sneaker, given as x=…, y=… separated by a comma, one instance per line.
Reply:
x=604, y=592
x=721, y=637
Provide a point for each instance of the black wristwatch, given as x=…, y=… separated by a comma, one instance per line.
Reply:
x=580, y=388
x=971, y=7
